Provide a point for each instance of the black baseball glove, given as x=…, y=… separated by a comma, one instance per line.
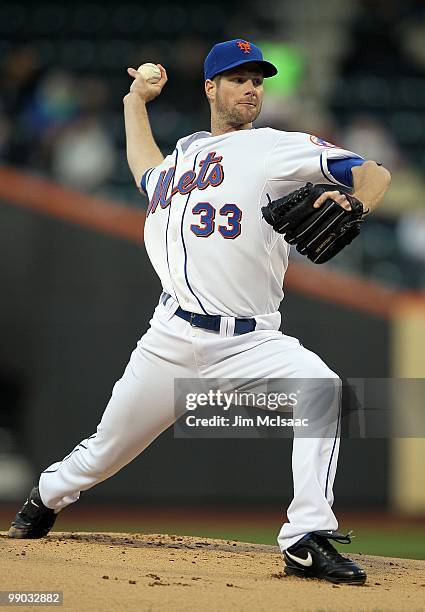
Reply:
x=318, y=233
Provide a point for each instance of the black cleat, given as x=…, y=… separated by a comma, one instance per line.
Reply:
x=33, y=520
x=315, y=557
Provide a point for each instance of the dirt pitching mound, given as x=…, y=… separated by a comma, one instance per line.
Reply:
x=112, y=571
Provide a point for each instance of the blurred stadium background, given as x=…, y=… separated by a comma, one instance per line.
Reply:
x=77, y=290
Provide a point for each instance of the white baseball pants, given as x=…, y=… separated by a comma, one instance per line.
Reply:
x=142, y=407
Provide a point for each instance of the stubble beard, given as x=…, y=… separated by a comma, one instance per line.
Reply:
x=233, y=116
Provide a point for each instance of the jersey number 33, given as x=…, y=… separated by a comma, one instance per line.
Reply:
x=229, y=224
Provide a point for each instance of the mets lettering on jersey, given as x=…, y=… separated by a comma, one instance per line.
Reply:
x=187, y=182
x=204, y=231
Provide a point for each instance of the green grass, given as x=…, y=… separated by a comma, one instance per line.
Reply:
x=388, y=543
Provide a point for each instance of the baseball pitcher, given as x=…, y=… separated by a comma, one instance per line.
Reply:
x=224, y=207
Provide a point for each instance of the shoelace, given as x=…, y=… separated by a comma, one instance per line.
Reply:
x=327, y=549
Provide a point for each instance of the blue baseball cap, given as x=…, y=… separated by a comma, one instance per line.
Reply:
x=231, y=53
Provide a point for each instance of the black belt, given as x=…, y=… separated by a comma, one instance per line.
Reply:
x=212, y=322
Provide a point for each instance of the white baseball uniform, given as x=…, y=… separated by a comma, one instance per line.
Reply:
x=214, y=254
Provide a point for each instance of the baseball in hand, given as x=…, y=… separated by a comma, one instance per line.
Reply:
x=150, y=72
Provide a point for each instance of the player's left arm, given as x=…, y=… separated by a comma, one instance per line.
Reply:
x=370, y=182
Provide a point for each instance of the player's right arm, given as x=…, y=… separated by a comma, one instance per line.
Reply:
x=142, y=151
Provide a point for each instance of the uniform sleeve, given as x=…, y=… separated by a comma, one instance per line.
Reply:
x=341, y=169
x=297, y=158
x=145, y=179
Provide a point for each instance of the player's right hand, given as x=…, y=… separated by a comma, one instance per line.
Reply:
x=336, y=196
x=146, y=91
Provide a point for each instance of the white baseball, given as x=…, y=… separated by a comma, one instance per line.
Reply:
x=150, y=72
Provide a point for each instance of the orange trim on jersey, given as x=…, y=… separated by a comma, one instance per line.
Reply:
x=203, y=181
x=235, y=222
x=207, y=208
x=187, y=182
x=153, y=204
x=168, y=179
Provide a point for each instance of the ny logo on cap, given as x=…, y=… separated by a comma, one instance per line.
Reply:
x=244, y=46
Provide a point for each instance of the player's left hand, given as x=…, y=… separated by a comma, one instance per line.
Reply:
x=317, y=234
x=336, y=196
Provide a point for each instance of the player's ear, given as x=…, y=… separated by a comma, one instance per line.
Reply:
x=210, y=89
